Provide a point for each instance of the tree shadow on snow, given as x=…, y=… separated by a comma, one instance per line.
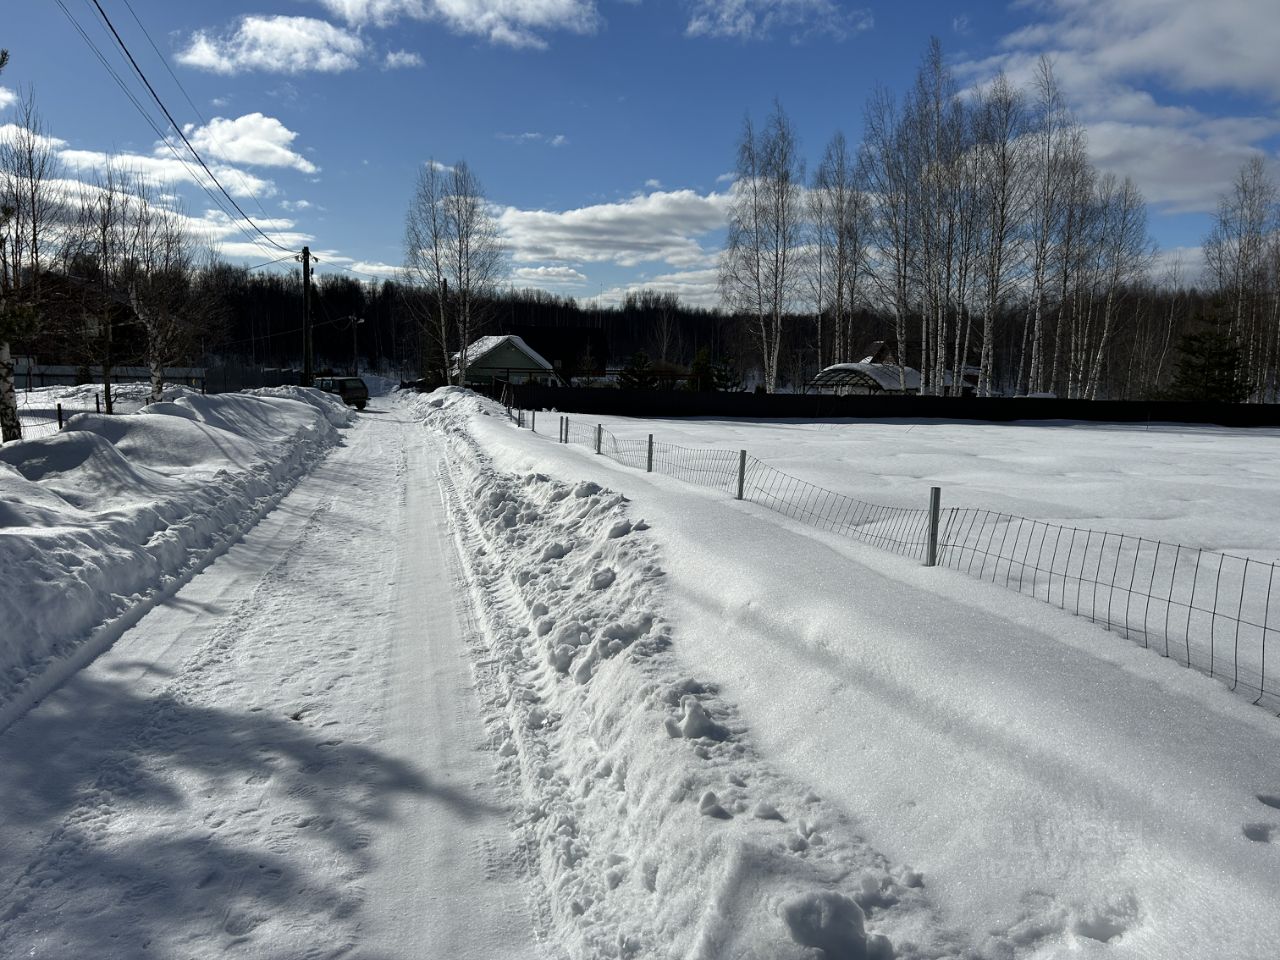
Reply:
x=136, y=824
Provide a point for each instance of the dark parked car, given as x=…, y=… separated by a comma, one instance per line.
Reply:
x=352, y=390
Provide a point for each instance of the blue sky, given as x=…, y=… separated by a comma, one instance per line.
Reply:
x=602, y=129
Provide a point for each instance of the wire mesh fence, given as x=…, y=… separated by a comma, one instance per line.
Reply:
x=1206, y=610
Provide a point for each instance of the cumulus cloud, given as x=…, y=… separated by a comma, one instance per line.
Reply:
x=401, y=59
x=168, y=170
x=1190, y=44
x=377, y=13
x=662, y=227
x=253, y=139
x=275, y=44
x=697, y=288
x=1110, y=55
x=514, y=23
x=549, y=276
x=7, y=98
x=762, y=19
x=10, y=130
x=294, y=205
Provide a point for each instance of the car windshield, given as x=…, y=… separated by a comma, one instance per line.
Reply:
x=352, y=383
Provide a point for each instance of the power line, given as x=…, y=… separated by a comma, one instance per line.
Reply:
x=244, y=183
x=178, y=129
x=259, y=266
x=93, y=47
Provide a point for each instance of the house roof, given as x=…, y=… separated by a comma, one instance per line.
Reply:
x=875, y=376
x=479, y=349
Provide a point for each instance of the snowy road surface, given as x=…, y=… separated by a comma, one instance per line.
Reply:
x=467, y=693
x=286, y=759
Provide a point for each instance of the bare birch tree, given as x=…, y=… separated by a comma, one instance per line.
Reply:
x=474, y=256
x=759, y=272
x=1000, y=122
x=452, y=241
x=890, y=169
x=30, y=206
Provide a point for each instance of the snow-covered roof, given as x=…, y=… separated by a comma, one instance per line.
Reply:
x=479, y=349
x=876, y=376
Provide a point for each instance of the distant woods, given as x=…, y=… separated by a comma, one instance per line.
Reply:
x=967, y=235
x=970, y=231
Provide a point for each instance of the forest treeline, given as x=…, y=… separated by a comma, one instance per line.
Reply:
x=968, y=231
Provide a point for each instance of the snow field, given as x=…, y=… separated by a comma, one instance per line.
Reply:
x=655, y=823
x=102, y=519
x=1062, y=790
x=1201, y=486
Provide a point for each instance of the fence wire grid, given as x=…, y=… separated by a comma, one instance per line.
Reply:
x=1206, y=610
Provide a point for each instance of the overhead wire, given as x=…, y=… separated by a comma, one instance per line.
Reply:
x=150, y=121
x=191, y=103
x=178, y=129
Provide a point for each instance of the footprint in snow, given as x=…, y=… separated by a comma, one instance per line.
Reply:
x=1269, y=800
x=1261, y=832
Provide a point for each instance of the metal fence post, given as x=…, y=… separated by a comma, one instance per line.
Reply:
x=935, y=512
x=599, y=436
x=649, y=467
x=97, y=403
x=742, y=472
x=59, y=416
x=533, y=420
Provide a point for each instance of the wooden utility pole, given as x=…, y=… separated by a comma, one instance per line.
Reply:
x=308, y=374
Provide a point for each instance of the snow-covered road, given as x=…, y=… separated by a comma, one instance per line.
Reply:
x=286, y=758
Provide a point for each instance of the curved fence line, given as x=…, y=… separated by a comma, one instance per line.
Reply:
x=1206, y=610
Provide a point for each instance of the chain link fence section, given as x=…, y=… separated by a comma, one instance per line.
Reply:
x=38, y=414
x=1208, y=611
x=902, y=530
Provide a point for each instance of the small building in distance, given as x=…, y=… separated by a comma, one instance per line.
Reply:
x=504, y=358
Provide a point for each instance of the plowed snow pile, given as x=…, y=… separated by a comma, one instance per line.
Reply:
x=100, y=520
x=657, y=828
x=671, y=689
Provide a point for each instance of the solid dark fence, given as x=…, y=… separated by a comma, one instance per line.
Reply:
x=797, y=406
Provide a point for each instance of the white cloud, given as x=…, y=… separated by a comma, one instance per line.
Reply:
x=253, y=139
x=1180, y=168
x=657, y=227
x=761, y=19
x=295, y=205
x=1110, y=55
x=401, y=59
x=1190, y=44
x=9, y=130
x=554, y=140
x=514, y=23
x=275, y=44
x=697, y=288
x=168, y=170
x=549, y=276
x=653, y=184
x=7, y=98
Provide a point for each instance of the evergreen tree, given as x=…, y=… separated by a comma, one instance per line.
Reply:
x=1209, y=369
x=638, y=373
x=702, y=374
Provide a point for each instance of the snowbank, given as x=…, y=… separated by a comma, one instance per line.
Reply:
x=659, y=828
x=1063, y=791
x=102, y=519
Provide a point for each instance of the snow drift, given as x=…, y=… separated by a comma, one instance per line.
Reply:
x=658, y=828
x=103, y=518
